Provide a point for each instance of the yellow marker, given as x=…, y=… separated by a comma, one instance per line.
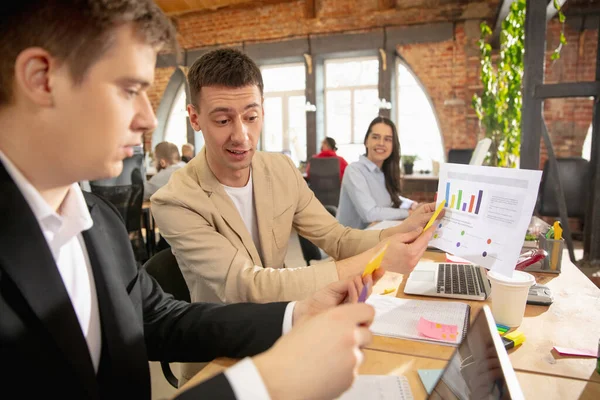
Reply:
x=557, y=231
x=435, y=215
x=556, y=245
x=388, y=291
x=375, y=261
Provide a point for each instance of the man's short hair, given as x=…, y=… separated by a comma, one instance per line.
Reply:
x=77, y=32
x=223, y=67
x=167, y=151
x=187, y=146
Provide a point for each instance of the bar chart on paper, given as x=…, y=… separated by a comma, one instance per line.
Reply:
x=485, y=208
x=455, y=200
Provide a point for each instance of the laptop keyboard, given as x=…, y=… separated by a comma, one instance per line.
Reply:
x=459, y=279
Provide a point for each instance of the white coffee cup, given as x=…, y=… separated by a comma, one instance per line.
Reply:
x=509, y=296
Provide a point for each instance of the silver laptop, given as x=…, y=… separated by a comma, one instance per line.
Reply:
x=456, y=281
x=480, y=367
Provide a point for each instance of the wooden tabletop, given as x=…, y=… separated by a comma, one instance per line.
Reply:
x=534, y=386
x=573, y=320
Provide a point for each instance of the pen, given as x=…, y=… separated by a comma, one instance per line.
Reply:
x=363, y=293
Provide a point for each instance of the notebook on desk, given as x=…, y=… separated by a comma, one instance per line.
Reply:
x=401, y=318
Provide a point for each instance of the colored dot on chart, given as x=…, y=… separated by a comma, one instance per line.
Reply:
x=440, y=225
x=458, y=244
x=489, y=241
x=484, y=254
x=462, y=233
x=435, y=236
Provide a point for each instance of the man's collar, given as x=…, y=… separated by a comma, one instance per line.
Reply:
x=73, y=206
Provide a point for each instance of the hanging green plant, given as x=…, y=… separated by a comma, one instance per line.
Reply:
x=499, y=105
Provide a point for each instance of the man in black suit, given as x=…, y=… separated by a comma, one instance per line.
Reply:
x=77, y=318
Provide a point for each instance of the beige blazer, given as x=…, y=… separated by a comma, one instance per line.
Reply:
x=215, y=251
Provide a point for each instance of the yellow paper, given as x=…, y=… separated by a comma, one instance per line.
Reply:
x=375, y=261
x=435, y=215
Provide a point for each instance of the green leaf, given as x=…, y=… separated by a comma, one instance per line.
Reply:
x=555, y=55
x=561, y=17
x=563, y=39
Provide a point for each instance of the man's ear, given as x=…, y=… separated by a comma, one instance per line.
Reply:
x=33, y=68
x=163, y=163
x=194, y=117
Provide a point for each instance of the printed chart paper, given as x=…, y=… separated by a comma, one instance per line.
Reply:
x=487, y=213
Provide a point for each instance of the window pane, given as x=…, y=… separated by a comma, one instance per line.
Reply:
x=284, y=78
x=176, y=129
x=297, y=128
x=362, y=72
x=417, y=126
x=338, y=115
x=366, y=108
x=273, y=126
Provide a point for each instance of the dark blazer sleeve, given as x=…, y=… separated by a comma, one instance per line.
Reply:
x=179, y=331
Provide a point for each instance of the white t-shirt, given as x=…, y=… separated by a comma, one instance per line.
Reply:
x=243, y=198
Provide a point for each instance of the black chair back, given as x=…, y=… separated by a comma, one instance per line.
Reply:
x=164, y=268
x=126, y=193
x=324, y=180
x=460, y=156
x=574, y=175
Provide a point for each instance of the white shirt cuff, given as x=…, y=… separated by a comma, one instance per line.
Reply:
x=246, y=382
x=406, y=203
x=288, y=318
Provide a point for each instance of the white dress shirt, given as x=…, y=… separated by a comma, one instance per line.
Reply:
x=63, y=235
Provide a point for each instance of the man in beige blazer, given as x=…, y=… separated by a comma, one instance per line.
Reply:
x=231, y=245
x=229, y=212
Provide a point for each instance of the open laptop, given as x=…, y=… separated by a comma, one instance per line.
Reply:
x=480, y=367
x=456, y=281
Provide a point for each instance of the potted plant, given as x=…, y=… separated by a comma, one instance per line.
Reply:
x=408, y=162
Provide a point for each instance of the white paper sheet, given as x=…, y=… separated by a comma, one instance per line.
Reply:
x=488, y=211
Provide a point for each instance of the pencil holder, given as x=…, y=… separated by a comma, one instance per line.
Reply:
x=554, y=248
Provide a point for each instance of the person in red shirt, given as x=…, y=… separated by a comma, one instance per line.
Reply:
x=328, y=148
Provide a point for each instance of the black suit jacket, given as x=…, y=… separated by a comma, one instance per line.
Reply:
x=42, y=349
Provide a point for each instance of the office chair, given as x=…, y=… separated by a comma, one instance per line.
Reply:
x=324, y=180
x=574, y=175
x=126, y=193
x=460, y=156
x=164, y=268
x=310, y=251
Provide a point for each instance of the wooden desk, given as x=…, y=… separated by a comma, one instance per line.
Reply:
x=573, y=320
x=534, y=386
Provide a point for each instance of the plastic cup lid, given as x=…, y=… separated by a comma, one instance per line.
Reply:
x=519, y=278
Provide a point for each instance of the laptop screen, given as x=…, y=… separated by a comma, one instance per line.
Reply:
x=479, y=367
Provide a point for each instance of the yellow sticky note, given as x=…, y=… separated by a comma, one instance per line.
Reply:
x=375, y=261
x=388, y=291
x=435, y=215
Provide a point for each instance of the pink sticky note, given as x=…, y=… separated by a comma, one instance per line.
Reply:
x=566, y=351
x=438, y=331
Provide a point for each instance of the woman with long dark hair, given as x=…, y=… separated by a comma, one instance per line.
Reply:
x=371, y=186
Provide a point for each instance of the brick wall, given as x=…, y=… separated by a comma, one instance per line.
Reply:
x=568, y=120
x=448, y=70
